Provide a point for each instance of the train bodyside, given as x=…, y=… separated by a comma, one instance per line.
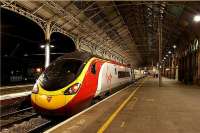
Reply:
x=111, y=76
x=97, y=77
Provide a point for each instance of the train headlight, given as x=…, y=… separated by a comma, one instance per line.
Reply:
x=35, y=89
x=73, y=89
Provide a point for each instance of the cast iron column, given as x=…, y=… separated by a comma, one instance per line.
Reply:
x=47, y=45
x=160, y=48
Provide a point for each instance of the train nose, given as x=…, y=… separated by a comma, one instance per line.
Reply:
x=50, y=102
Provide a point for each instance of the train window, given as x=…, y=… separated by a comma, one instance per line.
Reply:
x=93, y=68
x=60, y=73
x=122, y=74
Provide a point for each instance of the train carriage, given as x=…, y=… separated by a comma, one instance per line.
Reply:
x=73, y=80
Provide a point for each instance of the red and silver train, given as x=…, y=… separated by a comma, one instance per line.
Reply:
x=73, y=80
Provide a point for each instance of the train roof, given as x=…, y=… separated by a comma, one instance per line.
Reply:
x=76, y=55
x=83, y=56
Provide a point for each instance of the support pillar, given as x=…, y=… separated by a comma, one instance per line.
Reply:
x=173, y=66
x=47, y=45
x=160, y=50
x=169, y=72
x=198, y=67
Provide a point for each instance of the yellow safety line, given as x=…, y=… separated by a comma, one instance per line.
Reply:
x=111, y=118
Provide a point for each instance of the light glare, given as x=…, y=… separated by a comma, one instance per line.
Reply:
x=197, y=18
x=42, y=46
x=38, y=70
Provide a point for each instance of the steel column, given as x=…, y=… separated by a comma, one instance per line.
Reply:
x=47, y=45
x=160, y=50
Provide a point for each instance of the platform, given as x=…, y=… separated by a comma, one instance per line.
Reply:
x=172, y=108
x=5, y=90
x=9, y=94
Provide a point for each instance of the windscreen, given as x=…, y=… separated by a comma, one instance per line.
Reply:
x=60, y=73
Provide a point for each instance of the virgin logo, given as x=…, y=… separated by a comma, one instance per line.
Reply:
x=108, y=76
x=49, y=98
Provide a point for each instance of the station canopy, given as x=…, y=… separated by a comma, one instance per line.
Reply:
x=128, y=29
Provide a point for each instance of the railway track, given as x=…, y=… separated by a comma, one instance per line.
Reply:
x=23, y=121
x=16, y=117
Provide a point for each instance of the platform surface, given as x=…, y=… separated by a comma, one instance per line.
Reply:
x=172, y=108
x=6, y=90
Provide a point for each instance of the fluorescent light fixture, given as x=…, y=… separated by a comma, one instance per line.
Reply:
x=42, y=46
x=174, y=46
x=52, y=46
x=166, y=55
x=169, y=52
x=196, y=18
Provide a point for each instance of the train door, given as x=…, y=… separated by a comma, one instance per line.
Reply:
x=90, y=81
x=95, y=69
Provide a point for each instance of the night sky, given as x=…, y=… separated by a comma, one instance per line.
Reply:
x=20, y=43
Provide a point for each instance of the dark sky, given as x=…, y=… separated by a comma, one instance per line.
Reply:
x=21, y=39
x=21, y=36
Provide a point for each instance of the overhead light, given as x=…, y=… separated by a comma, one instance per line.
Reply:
x=164, y=58
x=169, y=52
x=38, y=70
x=166, y=55
x=167, y=69
x=26, y=54
x=42, y=46
x=52, y=46
x=174, y=46
x=196, y=18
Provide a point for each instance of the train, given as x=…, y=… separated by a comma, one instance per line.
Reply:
x=73, y=80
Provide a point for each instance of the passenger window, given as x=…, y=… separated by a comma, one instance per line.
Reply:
x=93, y=68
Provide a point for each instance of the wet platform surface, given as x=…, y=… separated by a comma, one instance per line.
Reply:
x=172, y=108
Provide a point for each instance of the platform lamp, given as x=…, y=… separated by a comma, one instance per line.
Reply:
x=43, y=46
x=47, y=48
x=196, y=18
